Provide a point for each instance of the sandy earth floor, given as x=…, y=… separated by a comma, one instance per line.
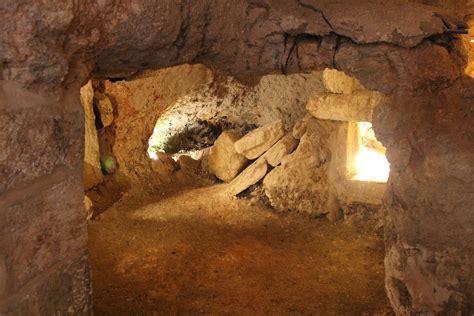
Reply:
x=199, y=252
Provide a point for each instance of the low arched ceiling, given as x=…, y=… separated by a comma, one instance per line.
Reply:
x=57, y=41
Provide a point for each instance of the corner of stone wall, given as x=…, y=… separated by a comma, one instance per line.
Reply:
x=43, y=233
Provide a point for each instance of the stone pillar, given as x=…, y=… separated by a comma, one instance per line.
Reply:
x=43, y=235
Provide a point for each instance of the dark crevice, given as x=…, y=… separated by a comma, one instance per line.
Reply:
x=285, y=44
x=445, y=40
x=403, y=293
x=183, y=31
x=336, y=48
x=207, y=20
x=290, y=52
x=115, y=79
x=98, y=118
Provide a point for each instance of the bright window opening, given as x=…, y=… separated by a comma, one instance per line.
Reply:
x=369, y=162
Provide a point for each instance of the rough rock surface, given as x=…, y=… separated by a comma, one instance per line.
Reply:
x=139, y=104
x=106, y=110
x=425, y=122
x=198, y=117
x=251, y=175
x=88, y=207
x=92, y=171
x=164, y=167
x=224, y=161
x=191, y=104
x=300, y=127
x=300, y=182
x=278, y=151
x=357, y=106
x=338, y=82
x=258, y=141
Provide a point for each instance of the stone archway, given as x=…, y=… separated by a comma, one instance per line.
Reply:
x=405, y=51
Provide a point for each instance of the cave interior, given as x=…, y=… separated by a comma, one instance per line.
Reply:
x=250, y=158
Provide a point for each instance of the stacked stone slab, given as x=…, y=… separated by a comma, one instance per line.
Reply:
x=258, y=141
x=267, y=145
x=251, y=175
x=296, y=166
x=304, y=180
x=345, y=100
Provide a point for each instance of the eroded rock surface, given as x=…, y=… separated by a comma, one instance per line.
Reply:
x=300, y=183
x=106, y=110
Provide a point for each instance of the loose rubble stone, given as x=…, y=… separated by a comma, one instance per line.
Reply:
x=343, y=107
x=251, y=175
x=338, y=82
x=282, y=148
x=224, y=162
x=258, y=141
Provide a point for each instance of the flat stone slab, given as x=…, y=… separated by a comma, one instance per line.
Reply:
x=282, y=148
x=357, y=106
x=251, y=175
x=258, y=141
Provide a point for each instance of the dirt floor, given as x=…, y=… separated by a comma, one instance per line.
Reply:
x=199, y=252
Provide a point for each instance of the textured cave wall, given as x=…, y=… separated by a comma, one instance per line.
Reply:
x=43, y=233
x=138, y=104
x=50, y=48
x=178, y=98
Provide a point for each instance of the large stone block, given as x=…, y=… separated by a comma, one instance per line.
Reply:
x=258, y=141
x=300, y=183
x=338, y=82
x=251, y=175
x=344, y=107
x=224, y=161
x=282, y=148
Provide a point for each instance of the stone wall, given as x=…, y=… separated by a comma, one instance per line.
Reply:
x=43, y=234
